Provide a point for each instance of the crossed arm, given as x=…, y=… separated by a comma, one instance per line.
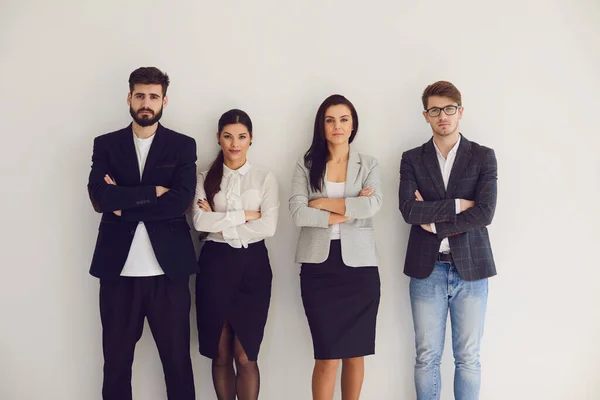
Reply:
x=450, y=217
x=143, y=202
x=322, y=212
x=239, y=224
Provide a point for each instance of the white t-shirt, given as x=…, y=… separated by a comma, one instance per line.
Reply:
x=141, y=260
x=335, y=190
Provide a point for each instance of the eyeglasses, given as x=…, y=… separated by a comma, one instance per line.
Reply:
x=436, y=111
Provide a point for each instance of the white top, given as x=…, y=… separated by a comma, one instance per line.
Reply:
x=141, y=260
x=246, y=189
x=446, y=167
x=335, y=190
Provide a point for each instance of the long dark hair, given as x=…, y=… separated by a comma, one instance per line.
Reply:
x=212, y=181
x=315, y=159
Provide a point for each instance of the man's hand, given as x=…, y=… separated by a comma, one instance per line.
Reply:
x=111, y=181
x=466, y=204
x=160, y=190
x=426, y=227
x=252, y=215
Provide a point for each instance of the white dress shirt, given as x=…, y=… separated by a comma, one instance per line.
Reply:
x=246, y=189
x=446, y=167
x=141, y=260
x=335, y=190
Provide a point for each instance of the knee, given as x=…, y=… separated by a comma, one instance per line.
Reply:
x=326, y=366
x=224, y=358
x=428, y=355
x=243, y=363
x=353, y=362
x=467, y=358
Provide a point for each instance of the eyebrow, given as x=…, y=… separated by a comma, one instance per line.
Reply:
x=448, y=105
x=229, y=133
x=149, y=94
x=329, y=116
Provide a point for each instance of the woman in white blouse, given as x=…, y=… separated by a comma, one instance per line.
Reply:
x=237, y=204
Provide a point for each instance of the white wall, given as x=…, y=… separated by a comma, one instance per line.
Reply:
x=528, y=71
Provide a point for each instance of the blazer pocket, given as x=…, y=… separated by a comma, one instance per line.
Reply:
x=165, y=166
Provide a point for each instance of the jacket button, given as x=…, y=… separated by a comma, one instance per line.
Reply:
x=132, y=232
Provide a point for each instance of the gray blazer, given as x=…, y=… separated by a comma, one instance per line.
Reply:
x=357, y=235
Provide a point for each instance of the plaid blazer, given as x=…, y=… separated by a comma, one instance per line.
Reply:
x=473, y=177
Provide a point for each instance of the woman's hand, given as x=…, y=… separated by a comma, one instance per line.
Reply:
x=204, y=205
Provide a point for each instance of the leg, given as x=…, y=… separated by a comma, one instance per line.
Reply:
x=222, y=367
x=429, y=304
x=323, y=379
x=248, y=375
x=169, y=320
x=121, y=313
x=353, y=373
x=467, y=313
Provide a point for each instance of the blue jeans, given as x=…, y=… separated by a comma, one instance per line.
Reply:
x=430, y=299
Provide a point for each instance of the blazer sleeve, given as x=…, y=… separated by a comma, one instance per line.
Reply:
x=361, y=207
x=178, y=199
x=486, y=193
x=302, y=214
x=420, y=212
x=108, y=198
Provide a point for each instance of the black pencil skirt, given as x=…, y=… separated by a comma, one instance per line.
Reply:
x=341, y=305
x=233, y=285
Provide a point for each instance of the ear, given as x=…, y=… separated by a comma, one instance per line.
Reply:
x=426, y=117
x=165, y=101
x=461, y=109
x=218, y=136
x=129, y=99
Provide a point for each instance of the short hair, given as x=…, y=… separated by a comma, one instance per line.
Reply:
x=442, y=89
x=149, y=76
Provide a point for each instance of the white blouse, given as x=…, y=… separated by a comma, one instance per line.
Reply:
x=246, y=189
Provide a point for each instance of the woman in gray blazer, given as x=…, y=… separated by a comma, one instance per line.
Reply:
x=335, y=192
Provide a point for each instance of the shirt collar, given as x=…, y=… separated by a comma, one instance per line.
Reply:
x=241, y=170
x=452, y=151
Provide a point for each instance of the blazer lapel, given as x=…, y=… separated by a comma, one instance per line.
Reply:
x=156, y=149
x=352, y=172
x=130, y=155
x=463, y=155
x=433, y=167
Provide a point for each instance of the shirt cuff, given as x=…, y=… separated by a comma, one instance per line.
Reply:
x=236, y=217
x=230, y=233
x=457, y=205
x=433, y=228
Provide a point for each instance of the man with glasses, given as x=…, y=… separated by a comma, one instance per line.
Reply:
x=447, y=194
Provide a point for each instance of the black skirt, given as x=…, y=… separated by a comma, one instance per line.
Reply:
x=341, y=305
x=233, y=285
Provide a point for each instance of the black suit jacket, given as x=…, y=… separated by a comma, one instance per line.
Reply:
x=171, y=163
x=473, y=177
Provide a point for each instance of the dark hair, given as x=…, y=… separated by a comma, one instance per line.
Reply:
x=149, y=76
x=315, y=159
x=442, y=89
x=212, y=181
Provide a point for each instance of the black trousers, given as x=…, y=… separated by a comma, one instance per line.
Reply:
x=124, y=303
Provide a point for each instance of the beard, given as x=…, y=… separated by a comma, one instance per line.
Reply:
x=448, y=131
x=145, y=120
